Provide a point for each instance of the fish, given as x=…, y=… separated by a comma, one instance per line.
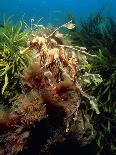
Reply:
x=69, y=25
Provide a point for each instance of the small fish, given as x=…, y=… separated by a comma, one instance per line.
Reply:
x=69, y=25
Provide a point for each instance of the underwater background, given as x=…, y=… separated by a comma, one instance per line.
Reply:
x=54, y=12
x=57, y=77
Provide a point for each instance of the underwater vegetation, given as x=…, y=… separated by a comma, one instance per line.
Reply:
x=12, y=38
x=53, y=90
x=98, y=34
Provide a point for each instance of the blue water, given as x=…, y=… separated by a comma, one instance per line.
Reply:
x=54, y=11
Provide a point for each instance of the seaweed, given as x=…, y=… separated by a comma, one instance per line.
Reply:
x=51, y=99
x=98, y=34
x=12, y=39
